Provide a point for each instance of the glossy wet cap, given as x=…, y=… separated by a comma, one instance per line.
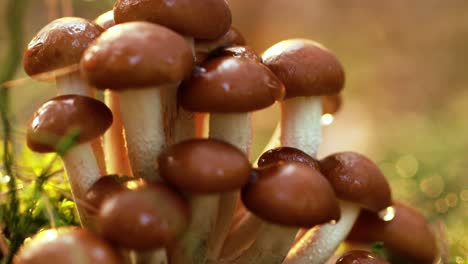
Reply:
x=104, y=188
x=286, y=154
x=136, y=55
x=67, y=116
x=230, y=85
x=207, y=19
x=236, y=52
x=205, y=46
x=204, y=166
x=59, y=44
x=291, y=193
x=331, y=103
x=360, y=257
x=147, y=218
x=408, y=234
x=357, y=179
x=106, y=20
x=66, y=246
x=305, y=67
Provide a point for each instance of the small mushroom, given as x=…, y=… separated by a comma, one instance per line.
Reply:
x=358, y=183
x=104, y=188
x=360, y=257
x=138, y=59
x=67, y=245
x=65, y=116
x=204, y=168
x=308, y=71
x=407, y=235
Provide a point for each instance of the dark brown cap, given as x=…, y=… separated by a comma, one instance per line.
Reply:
x=291, y=193
x=67, y=115
x=230, y=85
x=147, y=218
x=331, y=103
x=106, y=20
x=59, y=44
x=408, y=234
x=285, y=154
x=205, y=46
x=360, y=257
x=207, y=19
x=357, y=179
x=204, y=166
x=305, y=67
x=136, y=55
x=237, y=52
x=66, y=245
x=104, y=188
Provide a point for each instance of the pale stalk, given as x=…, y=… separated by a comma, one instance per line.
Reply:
x=114, y=141
x=318, y=245
x=235, y=129
x=241, y=236
x=192, y=247
x=82, y=169
x=144, y=129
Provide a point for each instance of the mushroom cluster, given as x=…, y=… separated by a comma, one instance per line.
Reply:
x=160, y=172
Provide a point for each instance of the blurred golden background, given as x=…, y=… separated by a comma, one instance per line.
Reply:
x=405, y=103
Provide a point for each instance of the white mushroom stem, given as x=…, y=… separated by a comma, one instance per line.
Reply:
x=115, y=151
x=192, y=247
x=82, y=169
x=317, y=246
x=300, y=123
x=144, y=129
x=236, y=129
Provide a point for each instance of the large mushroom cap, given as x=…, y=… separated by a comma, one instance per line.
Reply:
x=291, y=193
x=64, y=116
x=357, y=179
x=207, y=19
x=136, y=55
x=285, y=154
x=66, y=246
x=59, y=44
x=305, y=67
x=143, y=219
x=408, y=234
x=204, y=166
x=230, y=85
x=360, y=257
x=106, y=20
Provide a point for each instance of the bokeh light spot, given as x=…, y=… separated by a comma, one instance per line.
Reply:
x=407, y=166
x=451, y=199
x=327, y=119
x=433, y=186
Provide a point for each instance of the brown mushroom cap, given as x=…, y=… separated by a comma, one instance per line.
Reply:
x=230, y=85
x=104, y=188
x=64, y=115
x=204, y=166
x=305, y=67
x=408, y=234
x=207, y=19
x=360, y=257
x=143, y=219
x=331, y=103
x=285, y=154
x=136, y=55
x=106, y=20
x=291, y=193
x=357, y=179
x=66, y=245
x=205, y=46
x=237, y=52
x=59, y=44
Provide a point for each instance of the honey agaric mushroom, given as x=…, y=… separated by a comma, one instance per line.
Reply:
x=230, y=88
x=138, y=59
x=115, y=151
x=408, y=234
x=148, y=218
x=358, y=183
x=105, y=187
x=82, y=118
x=308, y=71
x=206, y=19
x=286, y=196
x=360, y=257
x=56, y=51
x=67, y=245
x=204, y=168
